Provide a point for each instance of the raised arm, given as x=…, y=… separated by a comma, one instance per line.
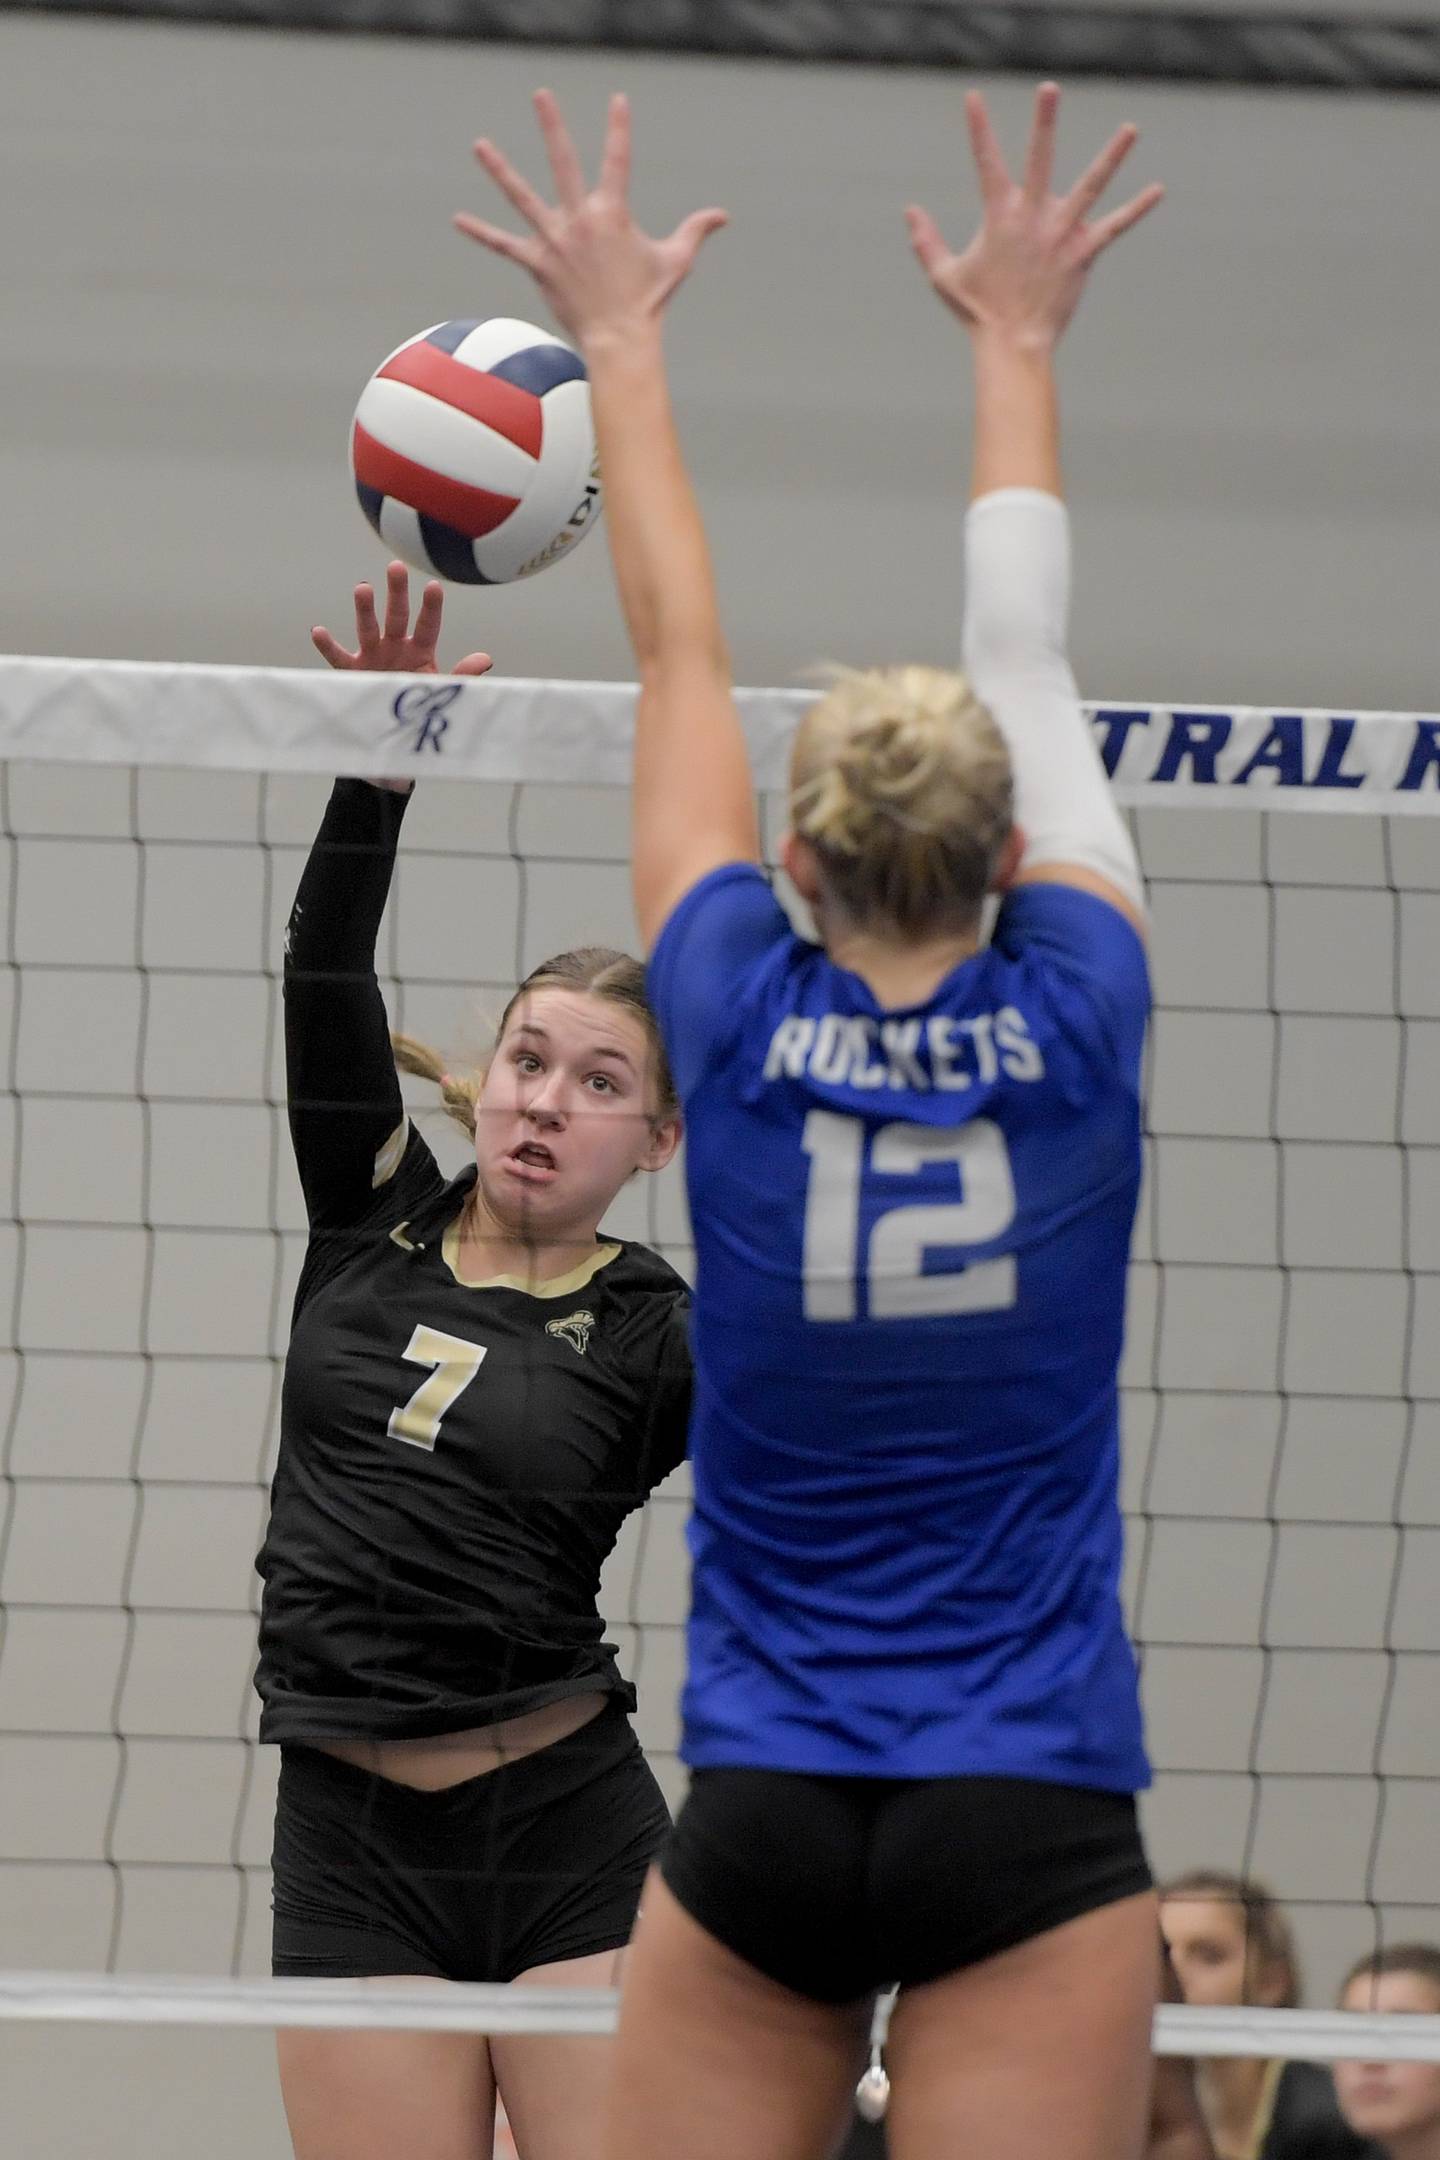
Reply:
x=1015, y=288
x=608, y=284
x=347, y=1122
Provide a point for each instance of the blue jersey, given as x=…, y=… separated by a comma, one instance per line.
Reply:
x=912, y=1227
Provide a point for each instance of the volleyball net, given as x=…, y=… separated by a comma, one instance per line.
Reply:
x=1281, y=1380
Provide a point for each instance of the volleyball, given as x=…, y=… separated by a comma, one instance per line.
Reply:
x=473, y=451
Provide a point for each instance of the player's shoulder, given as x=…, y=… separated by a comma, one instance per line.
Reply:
x=726, y=925
x=425, y=1201
x=724, y=945
x=649, y=1299
x=410, y=1207
x=416, y=1204
x=1075, y=930
x=732, y=889
x=1078, y=961
x=640, y=1273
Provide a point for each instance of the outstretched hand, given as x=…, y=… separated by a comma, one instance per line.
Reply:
x=598, y=270
x=1025, y=269
x=395, y=648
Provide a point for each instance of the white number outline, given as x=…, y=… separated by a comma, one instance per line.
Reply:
x=893, y=1267
x=455, y=1362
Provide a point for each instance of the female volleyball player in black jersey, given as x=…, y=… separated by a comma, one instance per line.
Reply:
x=911, y=1709
x=479, y=1389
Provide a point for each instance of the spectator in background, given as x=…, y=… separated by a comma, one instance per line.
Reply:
x=1232, y=1945
x=1396, y=2104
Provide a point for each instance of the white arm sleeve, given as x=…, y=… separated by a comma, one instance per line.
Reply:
x=1017, y=601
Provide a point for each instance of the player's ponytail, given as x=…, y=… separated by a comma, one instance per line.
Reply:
x=459, y=1093
x=901, y=784
x=597, y=969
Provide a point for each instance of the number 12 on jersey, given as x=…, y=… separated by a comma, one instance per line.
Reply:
x=897, y=1288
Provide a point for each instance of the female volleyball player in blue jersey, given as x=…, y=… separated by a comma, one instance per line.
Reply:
x=479, y=1388
x=911, y=1711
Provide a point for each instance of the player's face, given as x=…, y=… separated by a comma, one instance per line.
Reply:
x=1207, y=1943
x=1385, y=2100
x=567, y=1113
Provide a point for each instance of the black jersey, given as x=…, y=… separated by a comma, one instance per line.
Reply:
x=456, y=1459
x=1306, y=2122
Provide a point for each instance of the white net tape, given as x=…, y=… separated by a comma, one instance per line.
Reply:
x=1282, y=1376
x=419, y=2006
x=297, y=721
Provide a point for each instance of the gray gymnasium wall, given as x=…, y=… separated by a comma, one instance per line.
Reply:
x=220, y=233
x=214, y=235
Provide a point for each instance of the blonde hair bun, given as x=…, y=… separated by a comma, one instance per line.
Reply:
x=901, y=783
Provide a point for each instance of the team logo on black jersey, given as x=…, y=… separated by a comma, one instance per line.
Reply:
x=575, y=1329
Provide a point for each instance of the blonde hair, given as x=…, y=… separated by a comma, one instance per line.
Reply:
x=1269, y=1937
x=597, y=969
x=901, y=784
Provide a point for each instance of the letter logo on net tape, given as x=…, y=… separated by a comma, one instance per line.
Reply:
x=423, y=714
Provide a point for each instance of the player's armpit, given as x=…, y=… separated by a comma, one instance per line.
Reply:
x=1085, y=880
x=694, y=797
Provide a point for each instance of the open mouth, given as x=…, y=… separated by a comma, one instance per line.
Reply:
x=534, y=1158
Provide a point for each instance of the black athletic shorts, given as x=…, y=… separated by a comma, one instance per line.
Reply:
x=839, y=1886
x=539, y=1860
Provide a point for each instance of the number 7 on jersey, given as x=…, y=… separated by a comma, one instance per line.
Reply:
x=456, y=1363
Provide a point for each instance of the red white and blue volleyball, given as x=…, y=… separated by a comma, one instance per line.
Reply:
x=474, y=453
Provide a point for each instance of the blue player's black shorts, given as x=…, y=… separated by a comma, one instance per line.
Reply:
x=540, y=1860
x=839, y=1886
